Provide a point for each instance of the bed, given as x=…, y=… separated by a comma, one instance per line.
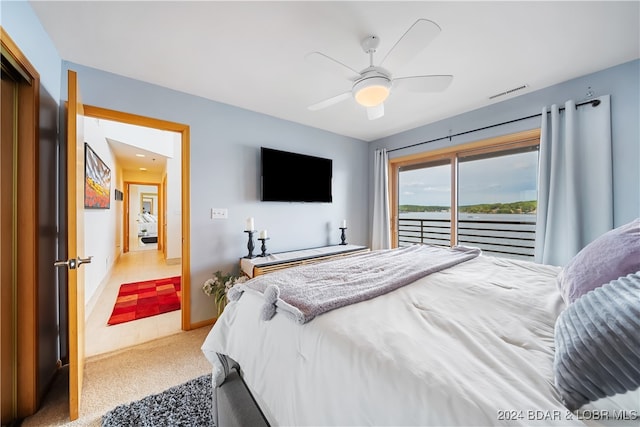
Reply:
x=147, y=224
x=468, y=344
x=147, y=228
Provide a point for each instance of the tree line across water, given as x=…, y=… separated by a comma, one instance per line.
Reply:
x=523, y=207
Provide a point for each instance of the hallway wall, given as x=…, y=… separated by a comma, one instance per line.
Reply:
x=174, y=203
x=100, y=224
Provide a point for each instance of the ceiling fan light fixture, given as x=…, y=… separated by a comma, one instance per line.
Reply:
x=372, y=91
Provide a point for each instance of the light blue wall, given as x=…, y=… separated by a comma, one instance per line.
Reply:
x=622, y=82
x=225, y=154
x=23, y=26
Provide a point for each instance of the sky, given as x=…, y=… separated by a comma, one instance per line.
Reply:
x=501, y=179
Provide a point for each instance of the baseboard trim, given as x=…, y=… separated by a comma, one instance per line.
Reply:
x=91, y=304
x=202, y=324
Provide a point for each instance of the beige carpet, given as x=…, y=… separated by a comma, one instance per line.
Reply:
x=125, y=376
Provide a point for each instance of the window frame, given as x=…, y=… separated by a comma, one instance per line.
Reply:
x=451, y=154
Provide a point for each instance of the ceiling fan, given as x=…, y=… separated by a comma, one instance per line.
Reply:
x=373, y=85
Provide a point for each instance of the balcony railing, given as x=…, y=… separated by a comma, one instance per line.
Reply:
x=506, y=238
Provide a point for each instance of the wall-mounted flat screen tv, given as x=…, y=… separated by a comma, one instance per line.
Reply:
x=294, y=177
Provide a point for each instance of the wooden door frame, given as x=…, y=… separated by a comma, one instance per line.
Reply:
x=26, y=265
x=184, y=131
x=162, y=236
x=75, y=180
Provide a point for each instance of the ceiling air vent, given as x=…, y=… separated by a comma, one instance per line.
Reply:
x=510, y=91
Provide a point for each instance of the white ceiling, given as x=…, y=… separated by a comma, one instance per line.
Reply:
x=252, y=54
x=129, y=159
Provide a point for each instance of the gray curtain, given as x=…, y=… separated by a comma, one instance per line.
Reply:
x=575, y=180
x=381, y=232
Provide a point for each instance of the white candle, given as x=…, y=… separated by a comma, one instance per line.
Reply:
x=250, y=225
x=263, y=234
x=344, y=223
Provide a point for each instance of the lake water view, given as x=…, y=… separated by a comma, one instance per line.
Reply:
x=509, y=235
x=471, y=216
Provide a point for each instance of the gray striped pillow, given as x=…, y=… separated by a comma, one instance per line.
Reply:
x=598, y=343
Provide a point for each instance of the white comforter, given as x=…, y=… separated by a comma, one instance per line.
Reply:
x=470, y=345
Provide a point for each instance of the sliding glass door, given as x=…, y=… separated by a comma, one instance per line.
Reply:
x=424, y=204
x=497, y=198
x=482, y=195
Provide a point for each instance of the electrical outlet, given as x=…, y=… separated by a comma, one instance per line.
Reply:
x=219, y=213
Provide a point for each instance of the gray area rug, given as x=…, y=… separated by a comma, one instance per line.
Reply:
x=187, y=404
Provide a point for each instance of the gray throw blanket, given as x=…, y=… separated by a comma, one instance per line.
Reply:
x=310, y=290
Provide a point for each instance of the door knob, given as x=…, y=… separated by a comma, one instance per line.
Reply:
x=73, y=263
x=86, y=260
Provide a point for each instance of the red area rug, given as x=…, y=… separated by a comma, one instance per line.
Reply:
x=144, y=299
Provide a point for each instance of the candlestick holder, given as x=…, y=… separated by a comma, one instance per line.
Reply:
x=263, y=247
x=250, y=245
x=343, y=236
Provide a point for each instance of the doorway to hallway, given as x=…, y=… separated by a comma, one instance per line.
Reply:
x=146, y=248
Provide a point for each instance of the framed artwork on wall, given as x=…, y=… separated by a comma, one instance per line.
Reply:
x=97, y=181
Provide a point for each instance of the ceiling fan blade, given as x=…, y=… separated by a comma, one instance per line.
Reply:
x=435, y=83
x=334, y=66
x=330, y=101
x=375, y=112
x=417, y=37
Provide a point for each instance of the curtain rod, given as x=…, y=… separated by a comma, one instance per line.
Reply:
x=594, y=103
